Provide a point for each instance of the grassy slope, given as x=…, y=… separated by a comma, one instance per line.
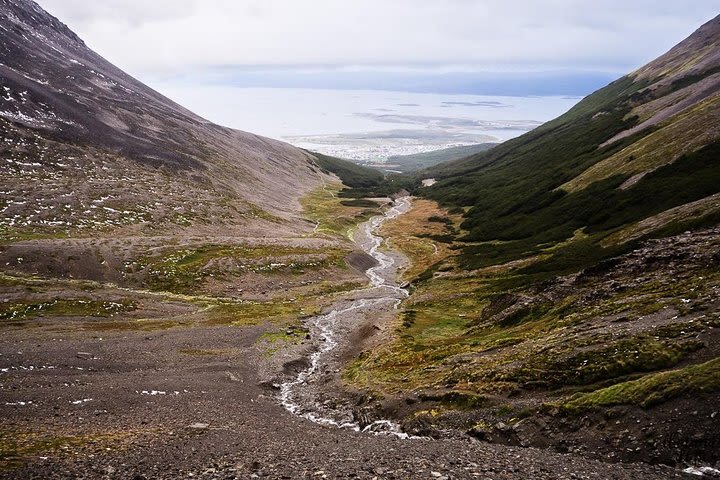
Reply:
x=422, y=234
x=332, y=214
x=653, y=389
x=517, y=192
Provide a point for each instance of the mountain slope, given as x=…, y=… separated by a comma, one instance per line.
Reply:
x=565, y=283
x=106, y=180
x=149, y=255
x=55, y=89
x=351, y=174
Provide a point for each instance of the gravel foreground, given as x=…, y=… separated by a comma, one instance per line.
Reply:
x=203, y=403
x=226, y=423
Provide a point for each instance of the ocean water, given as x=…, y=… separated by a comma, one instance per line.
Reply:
x=369, y=125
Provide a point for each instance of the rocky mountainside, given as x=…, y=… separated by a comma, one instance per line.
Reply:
x=66, y=112
x=125, y=217
x=107, y=180
x=565, y=290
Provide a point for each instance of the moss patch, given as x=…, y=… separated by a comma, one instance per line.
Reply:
x=184, y=270
x=423, y=235
x=275, y=340
x=253, y=313
x=20, y=447
x=652, y=389
x=332, y=214
x=200, y=352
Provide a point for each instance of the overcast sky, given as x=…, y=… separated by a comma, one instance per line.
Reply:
x=161, y=39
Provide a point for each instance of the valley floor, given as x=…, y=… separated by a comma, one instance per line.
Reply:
x=196, y=402
x=102, y=381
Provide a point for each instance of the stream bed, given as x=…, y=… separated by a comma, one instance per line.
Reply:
x=299, y=395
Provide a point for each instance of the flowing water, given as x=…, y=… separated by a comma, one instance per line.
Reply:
x=299, y=396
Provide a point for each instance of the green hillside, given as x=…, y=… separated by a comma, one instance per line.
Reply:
x=361, y=181
x=351, y=174
x=605, y=164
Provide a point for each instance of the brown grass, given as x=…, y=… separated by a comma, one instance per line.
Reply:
x=403, y=234
x=677, y=136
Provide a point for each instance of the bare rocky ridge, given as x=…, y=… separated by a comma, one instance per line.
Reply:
x=697, y=56
x=677, y=104
x=55, y=86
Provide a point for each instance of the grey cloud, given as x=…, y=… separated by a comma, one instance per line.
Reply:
x=171, y=36
x=129, y=12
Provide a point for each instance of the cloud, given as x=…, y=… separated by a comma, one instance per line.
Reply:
x=165, y=37
x=84, y=13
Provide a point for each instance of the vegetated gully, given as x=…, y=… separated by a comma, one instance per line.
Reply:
x=300, y=395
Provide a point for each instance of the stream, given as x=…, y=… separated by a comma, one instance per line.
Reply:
x=300, y=396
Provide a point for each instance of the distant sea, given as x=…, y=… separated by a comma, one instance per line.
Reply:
x=367, y=125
